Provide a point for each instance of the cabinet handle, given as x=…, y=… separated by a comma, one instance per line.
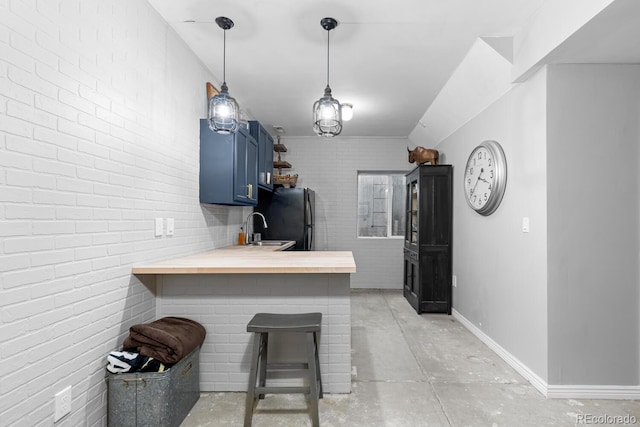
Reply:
x=250, y=191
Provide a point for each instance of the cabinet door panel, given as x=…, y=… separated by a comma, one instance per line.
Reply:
x=245, y=182
x=265, y=154
x=435, y=210
x=435, y=292
x=252, y=170
x=411, y=279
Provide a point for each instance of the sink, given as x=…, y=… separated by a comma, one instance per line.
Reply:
x=269, y=243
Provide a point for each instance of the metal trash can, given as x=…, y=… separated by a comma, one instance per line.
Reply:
x=154, y=399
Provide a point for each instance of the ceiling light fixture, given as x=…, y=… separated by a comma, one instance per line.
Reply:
x=223, y=113
x=327, y=112
x=347, y=111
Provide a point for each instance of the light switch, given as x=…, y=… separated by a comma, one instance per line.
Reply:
x=170, y=226
x=158, y=227
x=525, y=224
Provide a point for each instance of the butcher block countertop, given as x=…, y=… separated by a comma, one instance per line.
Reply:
x=254, y=259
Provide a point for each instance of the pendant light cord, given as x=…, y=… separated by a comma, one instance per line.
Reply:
x=328, y=58
x=224, y=57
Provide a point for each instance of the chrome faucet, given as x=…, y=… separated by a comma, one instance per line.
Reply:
x=250, y=237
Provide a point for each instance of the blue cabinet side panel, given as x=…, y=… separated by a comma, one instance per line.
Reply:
x=216, y=168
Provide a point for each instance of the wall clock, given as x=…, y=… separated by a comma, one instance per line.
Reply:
x=485, y=177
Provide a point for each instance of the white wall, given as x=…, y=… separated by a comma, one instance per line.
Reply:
x=99, y=109
x=330, y=167
x=562, y=300
x=592, y=157
x=501, y=272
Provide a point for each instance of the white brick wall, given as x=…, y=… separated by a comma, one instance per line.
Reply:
x=99, y=109
x=224, y=304
x=330, y=167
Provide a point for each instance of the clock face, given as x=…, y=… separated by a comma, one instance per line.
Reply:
x=485, y=177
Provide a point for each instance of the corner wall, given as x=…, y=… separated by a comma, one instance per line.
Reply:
x=99, y=109
x=593, y=193
x=502, y=272
x=330, y=167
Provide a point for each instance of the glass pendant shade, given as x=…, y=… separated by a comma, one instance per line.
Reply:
x=223, y=112
x=327, y=115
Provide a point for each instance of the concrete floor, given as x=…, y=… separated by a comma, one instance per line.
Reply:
x=411, y=370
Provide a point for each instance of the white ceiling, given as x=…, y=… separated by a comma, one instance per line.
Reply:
x=389, y=59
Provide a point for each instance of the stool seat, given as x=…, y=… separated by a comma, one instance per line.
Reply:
x=263, y=324
x=270, y=322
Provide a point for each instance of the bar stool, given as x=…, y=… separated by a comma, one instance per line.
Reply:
x=262, y=325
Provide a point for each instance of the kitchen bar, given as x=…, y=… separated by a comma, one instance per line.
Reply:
x=223, y=288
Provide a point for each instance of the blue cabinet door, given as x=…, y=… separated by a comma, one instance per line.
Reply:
x=245, y=183
x=228, y=167
x=265, y=154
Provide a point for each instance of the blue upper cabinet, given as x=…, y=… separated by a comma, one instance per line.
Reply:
x=265, y=154
x=228, y=167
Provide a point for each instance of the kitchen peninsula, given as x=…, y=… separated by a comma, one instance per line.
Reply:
x=223, y=288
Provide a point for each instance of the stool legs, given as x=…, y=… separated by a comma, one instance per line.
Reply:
x=318, y=376
x=313, y=378
x=262, y=376
x=251, y=397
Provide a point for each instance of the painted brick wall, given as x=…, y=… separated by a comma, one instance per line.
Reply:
x=99, y=109
x=330, y=167
x=225, y=303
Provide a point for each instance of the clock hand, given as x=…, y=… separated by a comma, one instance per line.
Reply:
x=477, y=180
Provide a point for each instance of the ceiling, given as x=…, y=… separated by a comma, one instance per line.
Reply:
x=389, y=59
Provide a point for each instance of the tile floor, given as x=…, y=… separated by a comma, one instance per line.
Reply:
x=411, y=370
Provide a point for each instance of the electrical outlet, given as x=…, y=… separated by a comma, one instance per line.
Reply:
x=62, y=403
x=159, y=227
x=170, y=226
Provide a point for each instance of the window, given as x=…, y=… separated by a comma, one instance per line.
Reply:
x=381, y=204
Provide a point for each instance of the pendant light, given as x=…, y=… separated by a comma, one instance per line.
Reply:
x=327, y=111
x=224, y=112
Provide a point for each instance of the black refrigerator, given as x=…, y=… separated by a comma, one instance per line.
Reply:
x=289, y=214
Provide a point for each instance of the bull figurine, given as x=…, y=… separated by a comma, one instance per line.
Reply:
x=421, y=155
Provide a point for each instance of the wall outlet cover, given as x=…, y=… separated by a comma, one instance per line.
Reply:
x=170, y=226
x=159, y=227
x=62, y=403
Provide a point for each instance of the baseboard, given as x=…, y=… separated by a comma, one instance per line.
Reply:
x=551, y=391
x=615, y=392
x=511, y=360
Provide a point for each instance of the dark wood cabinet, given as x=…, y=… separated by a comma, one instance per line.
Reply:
x=428, y=238
x=228, y=167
